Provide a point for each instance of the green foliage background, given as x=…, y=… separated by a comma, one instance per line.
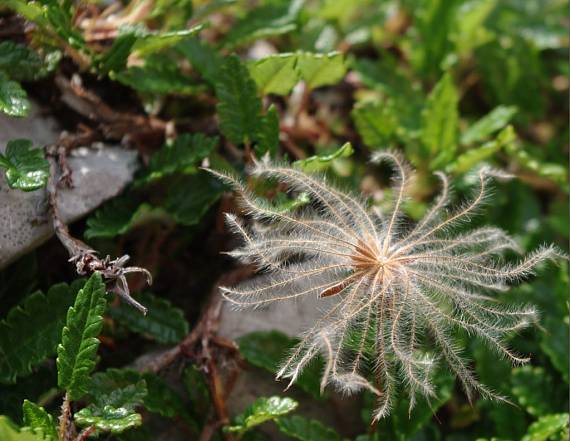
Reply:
x=454, y=84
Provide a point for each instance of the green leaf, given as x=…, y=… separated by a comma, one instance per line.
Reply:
x=13, y=99
x=39, y=420
x=104, y=383
x=29, y=10
x=26, y=167
x=10, y=432
x=109, y=419
x=495, y=120
x=181, y=156
x=279, y=73
x=304, y=429
x=113, y=407
x=267, y=136
x=19, y=62
x=142, y=41
x=387, y=76
x=284, y=203
x=322, y=162
x=155, y=78
x=275, y=74
x=204, y=10
x=53, y=17
x=128, y=396
x=434, y=21
x=262, y=410
x=173, y=14
x=164, y=322
x=120, y=216
x=549, y=427
x=60, y=15
x=239, y=108
x=440, y=121
x=469, y=25
x=160, y=397
x=321, y=69
x=32, y=330
x=267, y=350
x=191, y=197
x=150, y=41
x=124, y=213
x=164, y=400
x=390, y=80
x=527, y=156
x=466, y=161
x=78, y=349
x=376, y=122
x=265, y=21
x=513, y=75
x=115, y=59
x=203, y=58
x=534, y=389
x=54, y=20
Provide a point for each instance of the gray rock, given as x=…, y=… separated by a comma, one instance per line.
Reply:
x=99, y=173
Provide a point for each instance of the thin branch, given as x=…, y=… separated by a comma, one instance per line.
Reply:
x=86, y=433
x=66, y=427
x=86, y=259
x=207, y=322
x=200, y=344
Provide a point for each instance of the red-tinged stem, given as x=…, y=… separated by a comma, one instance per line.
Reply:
x=86, y=433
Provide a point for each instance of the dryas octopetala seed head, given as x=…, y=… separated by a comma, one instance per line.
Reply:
x=399, y=290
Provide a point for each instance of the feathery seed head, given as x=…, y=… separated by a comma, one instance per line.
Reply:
x=386, y=286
